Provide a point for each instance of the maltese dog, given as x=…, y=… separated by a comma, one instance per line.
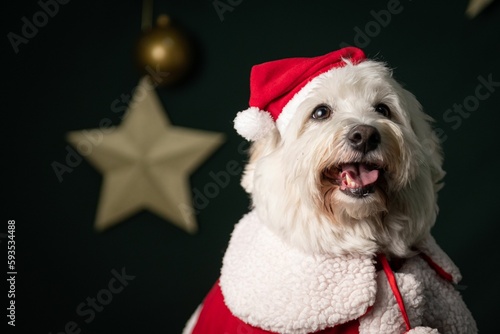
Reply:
x=343, y=174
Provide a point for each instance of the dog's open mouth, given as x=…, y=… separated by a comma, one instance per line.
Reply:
x=355, y=179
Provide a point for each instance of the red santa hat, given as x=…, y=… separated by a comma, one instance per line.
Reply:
x=277, y=87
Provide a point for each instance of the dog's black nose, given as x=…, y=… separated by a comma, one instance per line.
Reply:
x=364, y=138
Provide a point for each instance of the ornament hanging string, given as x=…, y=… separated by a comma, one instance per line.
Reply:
x=147, y=15
x=163, y=52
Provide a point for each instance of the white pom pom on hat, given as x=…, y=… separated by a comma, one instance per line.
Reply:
x=274, y=84
x=253, y=123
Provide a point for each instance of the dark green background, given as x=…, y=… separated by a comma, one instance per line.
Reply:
x=67, y=76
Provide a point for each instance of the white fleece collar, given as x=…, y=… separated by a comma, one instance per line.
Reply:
x=271, y=285
x=268, y=284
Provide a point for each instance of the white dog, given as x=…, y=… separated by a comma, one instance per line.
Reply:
x=343, y=173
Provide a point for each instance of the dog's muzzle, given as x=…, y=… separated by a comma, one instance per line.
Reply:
x=358, y=178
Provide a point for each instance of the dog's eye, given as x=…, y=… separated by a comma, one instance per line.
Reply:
x=383, y=110
x=321, y=112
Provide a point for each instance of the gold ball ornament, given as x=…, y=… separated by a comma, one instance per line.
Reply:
x=164, y=53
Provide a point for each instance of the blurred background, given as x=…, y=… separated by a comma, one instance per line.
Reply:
x=69, y=74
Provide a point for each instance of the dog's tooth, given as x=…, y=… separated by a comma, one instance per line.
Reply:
x=349, y=181
x=348, y=178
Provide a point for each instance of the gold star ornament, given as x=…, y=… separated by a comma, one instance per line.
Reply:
x=146, y=163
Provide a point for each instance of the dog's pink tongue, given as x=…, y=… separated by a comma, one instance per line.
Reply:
x=358, y=175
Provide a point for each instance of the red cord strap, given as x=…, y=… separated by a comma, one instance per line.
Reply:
x=394, y=286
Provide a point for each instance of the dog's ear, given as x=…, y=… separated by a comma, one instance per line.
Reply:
x=434, y=153
x=258, y=149
x=421, y=124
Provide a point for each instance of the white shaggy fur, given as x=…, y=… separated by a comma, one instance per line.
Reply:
x=284, y=175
